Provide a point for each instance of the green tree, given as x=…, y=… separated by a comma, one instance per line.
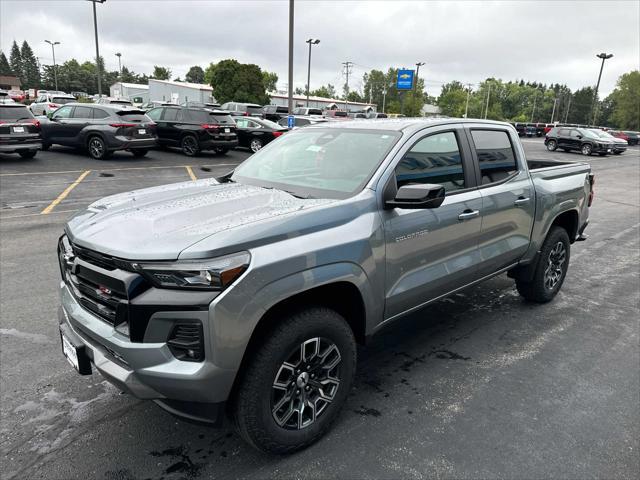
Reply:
x=30, y=70
x=581, y=103
x=161, y=73
x=270, y=81
x=195, y=75
x=626, y=98
x=15, y=60
x=235, y=81
x=328, y=91
x=452, y=99
x=5, y=68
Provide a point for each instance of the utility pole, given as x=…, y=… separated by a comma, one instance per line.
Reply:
x=95, y=29
x=553, y=112
x=290, y=86
x=533, y=112
x=311, y=41
x=603, y=56
x=55, y=67
x=418, y=65
x=119, y=64
x=347, y=65
x=486, y=112
x=466, y=107
x=566, y=113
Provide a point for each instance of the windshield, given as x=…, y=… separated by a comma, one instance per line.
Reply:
x=601, y=134
x=589, y=133
x=318, y=162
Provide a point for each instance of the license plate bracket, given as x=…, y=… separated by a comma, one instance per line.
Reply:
x=142, y=131
x=75, y=354
x=18, y=129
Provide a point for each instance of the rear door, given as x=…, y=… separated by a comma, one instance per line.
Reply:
x=431, y=252
x=508, y=196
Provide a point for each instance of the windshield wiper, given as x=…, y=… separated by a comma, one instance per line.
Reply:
x=297, y=195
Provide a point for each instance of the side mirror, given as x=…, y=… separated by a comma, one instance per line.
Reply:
x=579, y=137
x=418, y=196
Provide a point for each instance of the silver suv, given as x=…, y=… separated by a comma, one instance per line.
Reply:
x=247, y=294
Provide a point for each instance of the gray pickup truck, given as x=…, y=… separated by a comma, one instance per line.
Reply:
x=247, y=294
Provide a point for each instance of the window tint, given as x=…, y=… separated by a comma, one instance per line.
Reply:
x=14, y=113
x=254, y=110
x=83, y=112
x=563, y=132
x=495, y=155
x=575, y=133
x=315, y=111
x=434, y=159
x=170, y=114
x=63, y=100
x=299, y=122
x=155, y=114
x=99, y=113
x=242, y=122
x=136, y=117
x=62, y=112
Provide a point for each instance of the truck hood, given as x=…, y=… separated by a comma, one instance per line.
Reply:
x=158, y=223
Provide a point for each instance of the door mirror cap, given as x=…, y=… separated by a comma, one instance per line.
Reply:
x=418, y=196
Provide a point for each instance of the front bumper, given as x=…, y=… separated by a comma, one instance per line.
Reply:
x=192, y=390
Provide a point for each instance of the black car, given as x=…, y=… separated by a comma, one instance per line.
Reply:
x=19, y=130
x=242, y=109
x=195, y=129
x=254, y=133
x=274, y=112
x=568, y=138
x=633, y=137
x=100, y=129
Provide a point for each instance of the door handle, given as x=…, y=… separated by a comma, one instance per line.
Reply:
x=521, y=201
x=468, y=215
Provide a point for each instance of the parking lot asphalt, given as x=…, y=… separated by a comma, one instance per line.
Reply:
x=478, y=385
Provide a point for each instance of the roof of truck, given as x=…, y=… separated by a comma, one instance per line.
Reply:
x=403, y=124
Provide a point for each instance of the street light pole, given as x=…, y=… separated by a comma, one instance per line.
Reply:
x=290, y=86
x=466, y=107
x=311, y=41
x=119, y=64
x=55, y=68
x=553, y=112
x=418, y=65
x=603, y=56
x=95, y=29
x=486, y=112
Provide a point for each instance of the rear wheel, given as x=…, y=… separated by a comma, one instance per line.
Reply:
x=190, y=146
x=586, y=149
x=139, y=152
x=551, y=268
x=552, y=145
x=29, y=154
x=296, y=382
x=98, y=148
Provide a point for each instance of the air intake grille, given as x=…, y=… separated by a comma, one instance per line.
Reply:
x=185, y=342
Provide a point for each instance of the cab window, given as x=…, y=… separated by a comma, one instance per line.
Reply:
x=495, y=155
x=155, y=114
x=62, y=112
x=434, y=159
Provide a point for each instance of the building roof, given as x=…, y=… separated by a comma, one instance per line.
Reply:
x=132, y=85
x=10, y=80
x=197, y=86
x=317, y=99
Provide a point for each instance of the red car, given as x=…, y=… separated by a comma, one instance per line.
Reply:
x=619, y=134
x=16, y=95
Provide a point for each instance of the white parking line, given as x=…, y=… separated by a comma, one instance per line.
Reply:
x=117, y=169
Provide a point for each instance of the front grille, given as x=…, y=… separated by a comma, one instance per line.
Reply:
x=94, y=297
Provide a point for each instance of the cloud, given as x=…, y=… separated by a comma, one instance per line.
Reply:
x=466, y=41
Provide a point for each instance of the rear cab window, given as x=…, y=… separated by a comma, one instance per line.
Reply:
x=495, y=153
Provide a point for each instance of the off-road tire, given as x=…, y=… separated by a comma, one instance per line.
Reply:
x=251, y=403
x=536, y=290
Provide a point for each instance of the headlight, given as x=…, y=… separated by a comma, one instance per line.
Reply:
x=215, y=274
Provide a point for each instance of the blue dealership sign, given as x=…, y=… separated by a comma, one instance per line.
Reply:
x=405, y=79
x=291, y=121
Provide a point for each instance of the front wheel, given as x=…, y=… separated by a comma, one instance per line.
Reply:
x=586, y=149
x=551, y=268
x=296, y=382
x=552, y=145
x=255, y=145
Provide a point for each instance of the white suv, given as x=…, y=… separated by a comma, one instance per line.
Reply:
x=49, y=103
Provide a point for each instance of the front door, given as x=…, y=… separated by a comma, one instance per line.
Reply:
x=431, y=252
x=508, y=197
x=59, y=127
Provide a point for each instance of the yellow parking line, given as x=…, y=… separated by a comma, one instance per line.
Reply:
x=64, y=194
x=190, y=172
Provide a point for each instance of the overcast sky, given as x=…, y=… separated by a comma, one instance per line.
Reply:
x=466, y=41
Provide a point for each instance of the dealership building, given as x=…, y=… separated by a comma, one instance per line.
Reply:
x=179, y=92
